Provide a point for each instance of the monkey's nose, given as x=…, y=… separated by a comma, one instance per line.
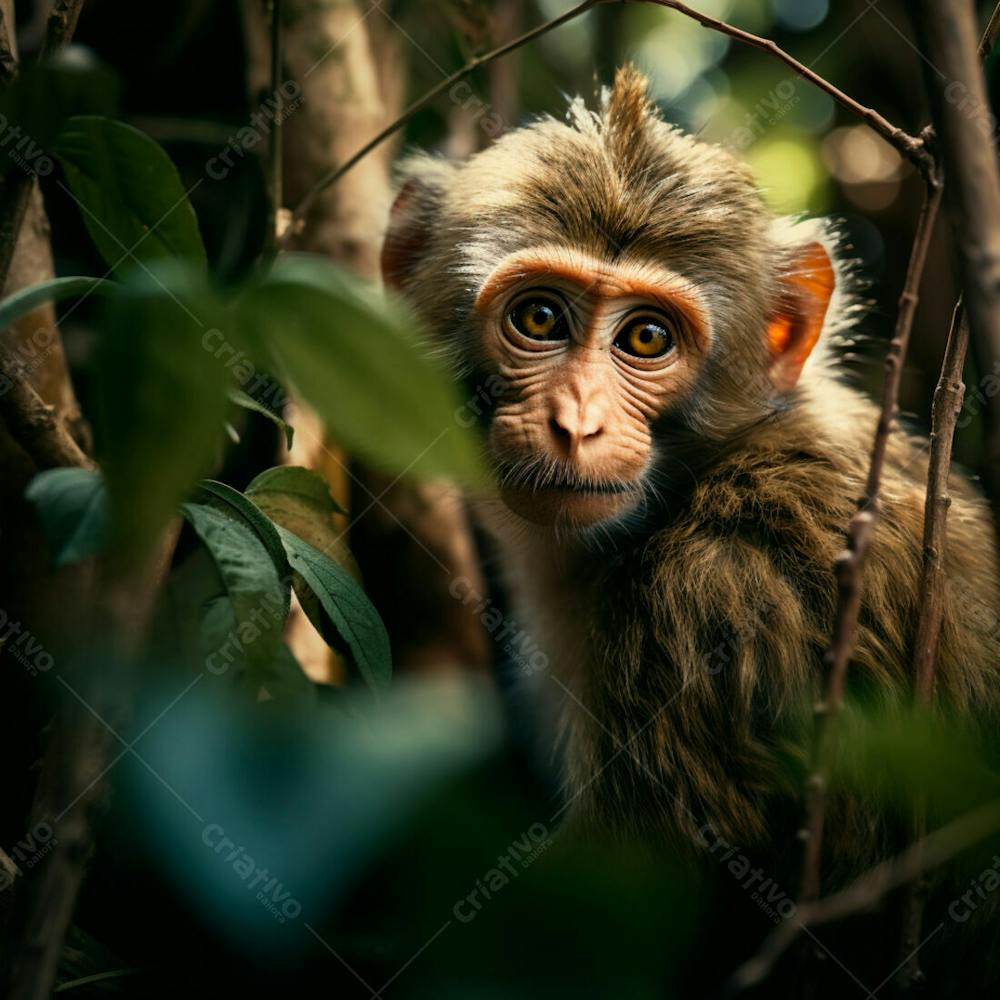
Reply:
x=572, y=431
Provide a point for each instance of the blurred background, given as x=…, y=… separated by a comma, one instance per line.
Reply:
x=411, y=851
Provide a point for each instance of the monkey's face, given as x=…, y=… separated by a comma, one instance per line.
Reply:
x=624, y=291
x=589, y=354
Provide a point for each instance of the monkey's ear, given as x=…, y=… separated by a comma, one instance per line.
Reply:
x=807, y=287
x=408, y=235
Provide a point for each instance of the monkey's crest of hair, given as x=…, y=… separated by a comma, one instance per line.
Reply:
x=624, y=119
x=618, y=183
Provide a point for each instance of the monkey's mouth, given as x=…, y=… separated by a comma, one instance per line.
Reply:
x=559, y=479
x=549, y=493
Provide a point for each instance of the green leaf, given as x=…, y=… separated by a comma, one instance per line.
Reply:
x=358, y=362
x=133, y=203
x=54, y=290
x=161, y=399
x=297, y=481
x=299, y=499
x=234, y=504
x=258, y=597
x=243, y=399
x=346, y=606
x=73, y=508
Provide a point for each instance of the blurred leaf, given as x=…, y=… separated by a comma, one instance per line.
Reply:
x=178, y=631
x=358, y=362
x=244, y=400
x=312, y=797
x=893, y=757
x=44, y=96
x=161, y=399
x=346, y=605
x=289, y=683
x=215, y=627
x=281, y=678
x=54, y=290
x=72, y=506
x=133, y=203
x=245, y=629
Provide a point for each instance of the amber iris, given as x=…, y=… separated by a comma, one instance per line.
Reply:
x=539, y=319
x=645, y=338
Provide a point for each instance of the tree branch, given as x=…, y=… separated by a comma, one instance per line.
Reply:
x=32, y=422
x=868, y=890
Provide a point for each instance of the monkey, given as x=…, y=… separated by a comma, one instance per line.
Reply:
x=675, y=459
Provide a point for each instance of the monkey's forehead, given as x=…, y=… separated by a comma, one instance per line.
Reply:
x=661, y=195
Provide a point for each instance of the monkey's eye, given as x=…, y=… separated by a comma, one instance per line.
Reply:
x=645, y=337
x=539, y=317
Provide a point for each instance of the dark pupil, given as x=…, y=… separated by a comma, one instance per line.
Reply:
x=537, y=320
x=646, y=334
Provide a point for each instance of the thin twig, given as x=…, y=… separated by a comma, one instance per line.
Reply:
x=944, y=416
x=912, y=147
x=868, y=890
x=849, y=566
x=989, y=39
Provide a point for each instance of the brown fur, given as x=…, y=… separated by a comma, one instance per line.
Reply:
x=689, y=640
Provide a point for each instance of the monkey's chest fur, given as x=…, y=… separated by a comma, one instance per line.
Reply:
x=687, y=658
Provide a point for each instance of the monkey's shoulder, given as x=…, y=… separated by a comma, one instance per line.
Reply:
x=783, y=501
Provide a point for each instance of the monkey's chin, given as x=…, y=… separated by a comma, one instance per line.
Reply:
x=570, y=508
